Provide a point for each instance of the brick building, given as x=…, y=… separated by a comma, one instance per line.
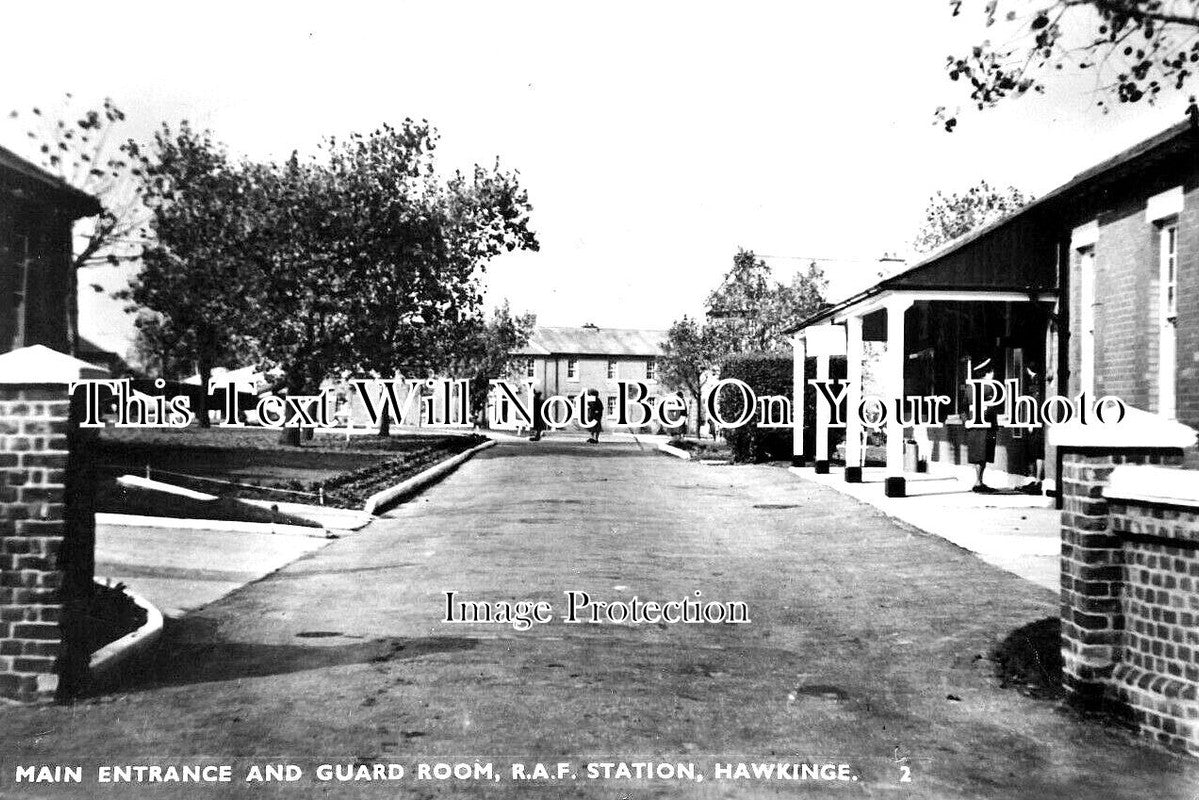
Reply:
x=37, y=280
x=569, y=361
x=47, y=531
x=1094, y=286
x=1133, y=282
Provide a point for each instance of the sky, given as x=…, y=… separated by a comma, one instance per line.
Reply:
x=654, y=138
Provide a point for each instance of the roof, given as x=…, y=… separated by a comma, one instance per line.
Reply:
x=78, y=202
x=38, y=364
x=91, y=352
x=591, y=341
x=923, y=273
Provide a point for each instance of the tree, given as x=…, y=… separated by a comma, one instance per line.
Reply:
x=421, y=245
x=688, y=357
x=192, y=275
x=489, y=350
x=946, y=217
x=1137, y=49
x=750, y=309
x=362, y=260
x=299, y=261
x=371, y=262
x=83, y=149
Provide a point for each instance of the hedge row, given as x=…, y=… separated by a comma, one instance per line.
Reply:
x=767, y=374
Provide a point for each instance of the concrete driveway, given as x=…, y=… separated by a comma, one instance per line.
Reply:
x=866, y=649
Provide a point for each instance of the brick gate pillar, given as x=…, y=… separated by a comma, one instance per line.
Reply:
x=47, y=526
x=1092, y=565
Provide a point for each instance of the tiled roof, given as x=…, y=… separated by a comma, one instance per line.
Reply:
x=594, y=341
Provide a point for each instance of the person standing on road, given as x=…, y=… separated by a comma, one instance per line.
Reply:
x=595, y=414
x=538, y=422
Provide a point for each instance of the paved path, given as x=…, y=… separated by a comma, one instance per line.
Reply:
x=865, y=646
x=180, y=569
x=1018, y=533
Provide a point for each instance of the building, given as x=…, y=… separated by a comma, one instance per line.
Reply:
x=1094, y=286
x=569, y=361
x=37, y=280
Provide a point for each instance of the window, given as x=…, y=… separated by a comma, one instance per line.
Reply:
x=572, y=369
x=1170, y=270
x=651, y=370
x=1168, y=319
x=611, y=369
x=529, y=365
x=612, y=406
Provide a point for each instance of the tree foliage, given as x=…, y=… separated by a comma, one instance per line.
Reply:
x=362, y=259
x=948, y=216
x=488, y=349
x=1136, y=49
x=749, y=310
x=421, y=245
x=85, y=150
x=193, y=280
x=688, y=356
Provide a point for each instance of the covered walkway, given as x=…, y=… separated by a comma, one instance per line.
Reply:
x=986, y=306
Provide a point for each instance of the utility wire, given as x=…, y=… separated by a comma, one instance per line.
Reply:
x=848, y=260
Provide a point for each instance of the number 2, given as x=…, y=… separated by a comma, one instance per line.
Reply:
x=905, y=773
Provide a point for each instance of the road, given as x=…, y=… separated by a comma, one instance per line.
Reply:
x=865, y=648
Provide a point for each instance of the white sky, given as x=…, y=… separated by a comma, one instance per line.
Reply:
x=654, y=138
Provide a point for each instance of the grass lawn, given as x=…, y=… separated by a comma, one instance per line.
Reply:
x=252, y=463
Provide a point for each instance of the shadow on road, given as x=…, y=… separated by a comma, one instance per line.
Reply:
x=190, y=652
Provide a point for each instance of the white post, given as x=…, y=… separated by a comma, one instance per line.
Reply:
x=893, y=364
x=823, y=416
x=799, y=381
x=853, y=396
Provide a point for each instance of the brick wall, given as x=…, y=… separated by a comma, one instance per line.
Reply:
x=1188, y=306
x=1158, y=672
x=1130, y=598
x=46, y=544
x=1127, y=274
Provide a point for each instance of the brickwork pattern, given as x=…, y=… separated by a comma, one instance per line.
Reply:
x=1127, y=278
x=1130, y=600
x=1188, y=306
x=1158, y=672
x=33, y=464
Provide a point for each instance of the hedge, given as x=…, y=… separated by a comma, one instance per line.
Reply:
x=768, y=374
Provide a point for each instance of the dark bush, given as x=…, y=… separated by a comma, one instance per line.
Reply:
x=771, y=374
x=110, y=615
x=767, y=374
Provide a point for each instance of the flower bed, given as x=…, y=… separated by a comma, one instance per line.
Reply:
x=110, y=615
x=250, y=463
